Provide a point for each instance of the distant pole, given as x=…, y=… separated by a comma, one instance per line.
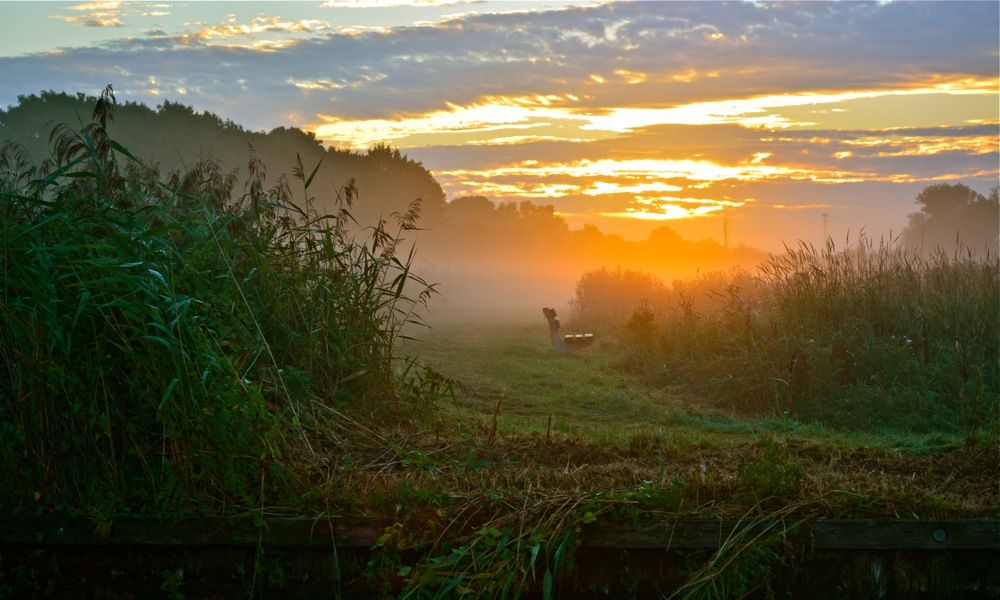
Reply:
x=826, y=222
x=725, y=231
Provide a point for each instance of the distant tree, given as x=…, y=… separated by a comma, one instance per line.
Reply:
x=954, y=215
x=665, y=239
x=612, y=296
x=175, y=136
x=474, y=209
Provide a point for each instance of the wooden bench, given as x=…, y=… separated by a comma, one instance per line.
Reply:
x=565, y=344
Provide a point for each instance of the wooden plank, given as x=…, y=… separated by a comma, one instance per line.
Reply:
x=353, y=533
x=823, y=534
x=871, y=534
x=680, y=534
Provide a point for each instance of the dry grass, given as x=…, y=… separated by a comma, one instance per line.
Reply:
x=492, y=518
x=840, y=481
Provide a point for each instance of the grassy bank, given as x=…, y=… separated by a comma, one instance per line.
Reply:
x=594, y=396
x=500, y=476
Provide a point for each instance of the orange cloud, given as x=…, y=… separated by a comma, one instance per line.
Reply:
x=262, y=25
x=914, y=145
x=669, y=208
x=104, y=13
x=577, y=121
x=632, y=77
x=491, y=113
x=650, y=184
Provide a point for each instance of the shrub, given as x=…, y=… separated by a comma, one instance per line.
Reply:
x=604, y=296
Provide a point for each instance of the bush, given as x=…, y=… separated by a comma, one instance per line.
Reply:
x=609, y=297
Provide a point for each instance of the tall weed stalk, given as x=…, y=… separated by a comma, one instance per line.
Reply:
x=173, y=344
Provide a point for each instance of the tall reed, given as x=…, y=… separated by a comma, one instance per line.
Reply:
x=871, y=336
x=172, y=343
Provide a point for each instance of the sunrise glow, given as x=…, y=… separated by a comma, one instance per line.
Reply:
x=610, y=113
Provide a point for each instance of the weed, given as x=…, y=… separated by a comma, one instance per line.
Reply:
x=173, y=584
x=171, y=344
x=772, y=480
x=871, y=336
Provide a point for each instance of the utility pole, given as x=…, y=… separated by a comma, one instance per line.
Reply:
x=725, y=231
x=826, y=222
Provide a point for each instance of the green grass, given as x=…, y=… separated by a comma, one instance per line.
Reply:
x=594, y=396
x=514, y=364
x=623, y=449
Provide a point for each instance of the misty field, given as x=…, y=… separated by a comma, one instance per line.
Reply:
x=185, y=344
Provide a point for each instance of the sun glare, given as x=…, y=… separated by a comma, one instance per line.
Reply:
x=666, y=212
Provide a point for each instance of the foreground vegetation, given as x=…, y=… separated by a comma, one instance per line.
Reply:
x=169, y=348
x=177, y=346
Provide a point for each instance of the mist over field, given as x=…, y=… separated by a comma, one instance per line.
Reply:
x=484, y=254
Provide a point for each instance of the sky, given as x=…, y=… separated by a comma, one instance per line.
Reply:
x=778, y=122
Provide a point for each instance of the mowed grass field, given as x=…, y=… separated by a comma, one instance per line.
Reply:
x=509, y=361
x=504, y=365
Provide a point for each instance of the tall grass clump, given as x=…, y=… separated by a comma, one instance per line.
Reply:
x=175, y=344
x=870, y=336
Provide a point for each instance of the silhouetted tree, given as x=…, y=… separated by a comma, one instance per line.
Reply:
x=175, y=136
x=470, y=209
x=954, y=216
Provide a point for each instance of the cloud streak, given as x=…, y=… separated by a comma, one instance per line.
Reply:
x=497, y=113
